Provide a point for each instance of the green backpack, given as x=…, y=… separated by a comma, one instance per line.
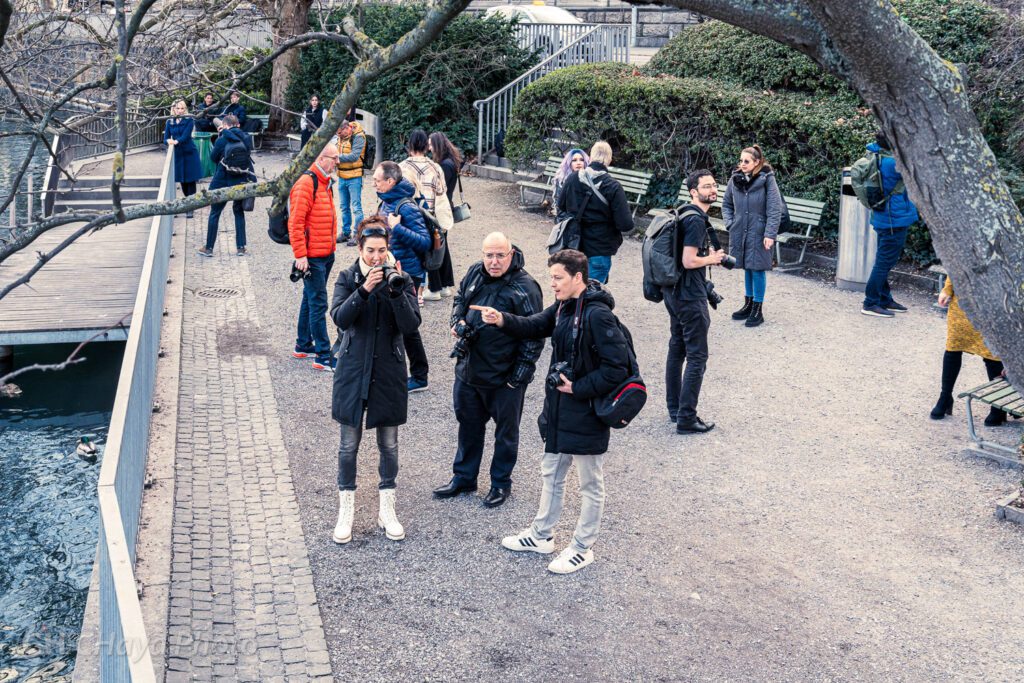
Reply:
x=866, y=178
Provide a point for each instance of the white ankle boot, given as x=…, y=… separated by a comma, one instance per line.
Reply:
x=346, y=507
x=386, y=518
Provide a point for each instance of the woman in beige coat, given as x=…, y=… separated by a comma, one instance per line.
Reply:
x=961, y=337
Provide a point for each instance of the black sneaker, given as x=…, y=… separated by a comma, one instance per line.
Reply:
x=878, y=312
x=895, y=307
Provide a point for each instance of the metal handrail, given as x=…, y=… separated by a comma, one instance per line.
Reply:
x=600, y=43
x=124, y=647
x=549, y=38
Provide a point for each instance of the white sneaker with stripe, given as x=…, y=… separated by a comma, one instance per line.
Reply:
x=525, y=541
x=570, y=560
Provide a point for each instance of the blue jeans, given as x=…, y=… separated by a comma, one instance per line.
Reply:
x=214, y=223
x=890, y=248
x=754, y=284
x=350, y=198
x=312, y=329
x=599, y=267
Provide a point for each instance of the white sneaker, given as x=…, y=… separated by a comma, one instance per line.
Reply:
x=525, y=541
x=386, y=518
x=431, y=296
x=346, y=506
x=570, y=560
x=447, y=291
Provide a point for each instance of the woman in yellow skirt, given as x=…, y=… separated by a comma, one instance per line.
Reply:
x=961, y=337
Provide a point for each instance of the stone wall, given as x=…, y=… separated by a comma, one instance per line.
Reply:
x=655, y=25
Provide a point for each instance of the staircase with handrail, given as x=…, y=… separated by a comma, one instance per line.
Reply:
x=591, y=44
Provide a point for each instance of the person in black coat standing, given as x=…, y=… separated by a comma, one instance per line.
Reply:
x=493, y=369
x=374, y=305
x=232, y=155
x=589, y=359
x=604, y=212
x=312, y=119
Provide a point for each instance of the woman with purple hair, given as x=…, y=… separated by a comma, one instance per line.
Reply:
x=576, y=160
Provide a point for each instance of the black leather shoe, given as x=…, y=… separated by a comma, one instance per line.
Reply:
x=995, y=418
x=453, y=488
x=496, y=496
x=698, y=426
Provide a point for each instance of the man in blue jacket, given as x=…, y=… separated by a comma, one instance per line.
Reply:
x=410, y=240
x=891, y=222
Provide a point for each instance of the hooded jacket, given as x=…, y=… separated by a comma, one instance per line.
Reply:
x=371, y=355
x=602, y=224
x=752, y=209
x=409, y=239
x=496, y=359
x=222, y=177
x=899, y=211
x=568, y=424
x=312, y=221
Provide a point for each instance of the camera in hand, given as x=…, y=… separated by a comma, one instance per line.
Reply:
x=297, y=274
x=728, y=262
x=466, y=334
x=393, y=278
x=554, y=379
x=714, y=298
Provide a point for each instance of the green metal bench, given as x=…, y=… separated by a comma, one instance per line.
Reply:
x=257, y=138
x=634, y=183
x=805, y=212
x=999, y=394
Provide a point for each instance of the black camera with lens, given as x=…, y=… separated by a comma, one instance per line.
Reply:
x=297, y=274
x=554, y=379
x=393, y=278
x=466, y=334
x=714, y=298
x=728, y=262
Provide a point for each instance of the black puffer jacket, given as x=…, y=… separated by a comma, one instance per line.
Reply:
x=568, y=423
x=371, y=355
x=602, y=225
x=495, y=359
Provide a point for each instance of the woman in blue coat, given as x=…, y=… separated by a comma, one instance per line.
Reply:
x=178, y=134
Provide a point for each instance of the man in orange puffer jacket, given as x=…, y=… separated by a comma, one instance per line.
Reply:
x=312, y=230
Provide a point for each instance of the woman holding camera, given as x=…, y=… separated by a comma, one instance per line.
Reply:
x=752, y=209
x=374, y=305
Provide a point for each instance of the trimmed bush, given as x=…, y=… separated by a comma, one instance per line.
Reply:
x=472, y=58
x=669, y=126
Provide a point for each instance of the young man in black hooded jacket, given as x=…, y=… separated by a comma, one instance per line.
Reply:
x=589, y=358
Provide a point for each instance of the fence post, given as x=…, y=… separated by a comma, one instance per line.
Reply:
x=632, y=25
x=29, y=195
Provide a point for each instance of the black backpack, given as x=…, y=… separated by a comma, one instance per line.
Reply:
x=660, y=251
x=278, y=230
x=236, y=158
x=618, y=408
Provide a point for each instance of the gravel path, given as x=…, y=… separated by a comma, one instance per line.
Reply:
x=826, y=529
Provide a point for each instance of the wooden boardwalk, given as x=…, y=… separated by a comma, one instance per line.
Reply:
x=87, y=288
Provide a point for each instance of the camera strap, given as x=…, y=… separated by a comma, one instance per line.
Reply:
x=577, y=324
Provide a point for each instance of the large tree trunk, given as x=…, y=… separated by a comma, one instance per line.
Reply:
x=922, y=105
x=292, y=20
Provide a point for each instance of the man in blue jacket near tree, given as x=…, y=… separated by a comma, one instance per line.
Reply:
x=891, y=221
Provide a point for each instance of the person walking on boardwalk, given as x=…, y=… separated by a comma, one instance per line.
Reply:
x=961, y=337
x=312, y=227
x=589, y=358
x=232, y=155
x=351, y=151
x=752, y=209
x=178, y=134
x=374, y=305
x=493, y=369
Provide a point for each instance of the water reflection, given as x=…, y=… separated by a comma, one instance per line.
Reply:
x=48, y=506
x=12, y=156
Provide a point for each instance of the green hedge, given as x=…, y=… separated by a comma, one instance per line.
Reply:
x=472, y=58
x=669, y=126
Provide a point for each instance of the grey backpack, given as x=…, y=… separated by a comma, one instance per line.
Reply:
x=660, y=251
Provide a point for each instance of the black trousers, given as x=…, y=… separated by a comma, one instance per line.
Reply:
x=474, y=407
x=443, y=276
x=690, y=322
x=418, y=365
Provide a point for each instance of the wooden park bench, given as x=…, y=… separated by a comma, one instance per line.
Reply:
x=804, y=212
x=634, y=183
x=999, y=394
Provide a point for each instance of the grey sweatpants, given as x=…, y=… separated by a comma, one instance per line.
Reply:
x=553, y=468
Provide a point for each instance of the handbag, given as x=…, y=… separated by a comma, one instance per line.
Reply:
x=461, y=211
x=249, y=204
x=566, y=233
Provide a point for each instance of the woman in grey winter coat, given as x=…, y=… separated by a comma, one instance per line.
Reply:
x=752, y=209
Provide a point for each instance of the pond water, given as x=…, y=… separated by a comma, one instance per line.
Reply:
x=12, y=154
x=48, y=507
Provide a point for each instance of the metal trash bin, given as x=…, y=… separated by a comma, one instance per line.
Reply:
x=202, y=141
x=857, y=240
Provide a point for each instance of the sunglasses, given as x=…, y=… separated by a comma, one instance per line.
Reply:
x=374, y=232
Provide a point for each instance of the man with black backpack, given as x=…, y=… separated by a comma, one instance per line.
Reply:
x=687, y=305
x=590, y=359
x=232, y=154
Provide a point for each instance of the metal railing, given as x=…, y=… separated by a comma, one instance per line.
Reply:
x=124, y=647
x=547, y=39
x=602, y=43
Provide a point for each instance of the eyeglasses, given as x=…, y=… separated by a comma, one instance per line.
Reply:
x=499, y=255
x=330, y=157
x=707, y=187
